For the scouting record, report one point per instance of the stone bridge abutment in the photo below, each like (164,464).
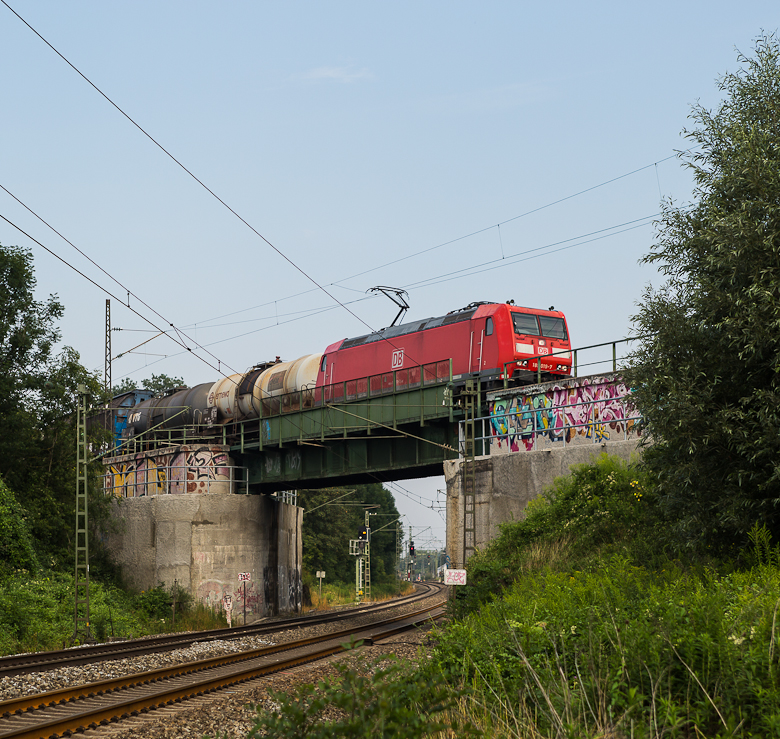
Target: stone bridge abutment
(533,435)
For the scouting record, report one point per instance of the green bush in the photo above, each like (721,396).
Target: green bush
(155,602)
(37,611)
(380,698)
(623,650)
(600,506)
(17,551)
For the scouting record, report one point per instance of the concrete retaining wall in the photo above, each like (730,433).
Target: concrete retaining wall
(204,541)
(505,483)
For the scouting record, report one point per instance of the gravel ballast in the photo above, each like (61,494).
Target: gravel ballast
(223,711)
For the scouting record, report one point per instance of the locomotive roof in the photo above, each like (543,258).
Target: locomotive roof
(410,328)
(456,316)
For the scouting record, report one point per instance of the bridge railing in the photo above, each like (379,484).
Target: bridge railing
(134,479)
(604,360)
(370,386)
(540,420)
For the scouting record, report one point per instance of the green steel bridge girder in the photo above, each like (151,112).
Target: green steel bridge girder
(393,436)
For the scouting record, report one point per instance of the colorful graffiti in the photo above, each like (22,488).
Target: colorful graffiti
(183,470)
(582,410)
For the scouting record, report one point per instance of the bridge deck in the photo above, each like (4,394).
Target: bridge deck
(396,425)
(362,437)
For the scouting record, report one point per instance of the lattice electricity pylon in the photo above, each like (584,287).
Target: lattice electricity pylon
(469,396)
(81,610)
(107,372)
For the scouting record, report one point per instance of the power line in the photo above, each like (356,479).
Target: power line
(100,287)
(337,283)
(108,274)
(499,263)
(508,220)
(183,167)
(257,233)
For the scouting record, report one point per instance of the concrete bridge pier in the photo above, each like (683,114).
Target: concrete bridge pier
(201,535)
(506,483)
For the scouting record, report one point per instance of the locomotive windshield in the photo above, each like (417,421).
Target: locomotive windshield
(553,327)
(530,324)
(525,323)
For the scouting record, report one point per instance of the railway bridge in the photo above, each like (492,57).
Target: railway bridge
(191,499)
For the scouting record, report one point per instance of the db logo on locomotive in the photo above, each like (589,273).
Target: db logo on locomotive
(398,359)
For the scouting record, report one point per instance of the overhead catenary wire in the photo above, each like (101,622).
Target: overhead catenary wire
(513,258)
(185,169)
(337,283)
(254,230)
(316,283)
(104,271)
(501,263)
(504,222)
(109,275)
(97,285)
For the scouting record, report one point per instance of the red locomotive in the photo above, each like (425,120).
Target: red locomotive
(483,340)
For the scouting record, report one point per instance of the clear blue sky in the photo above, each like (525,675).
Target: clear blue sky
(350,135)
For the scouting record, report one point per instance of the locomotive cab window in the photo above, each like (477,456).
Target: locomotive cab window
(488,326)
(324,363)
(525,323)
(553,327)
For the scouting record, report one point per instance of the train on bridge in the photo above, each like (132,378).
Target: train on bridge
(488,341)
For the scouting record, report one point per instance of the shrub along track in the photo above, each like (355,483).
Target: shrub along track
(106,703)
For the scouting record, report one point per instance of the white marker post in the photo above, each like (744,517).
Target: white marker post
(321,576)
(244,577)
(227,602)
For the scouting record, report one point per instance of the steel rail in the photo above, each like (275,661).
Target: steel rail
(21,722)
(40,661)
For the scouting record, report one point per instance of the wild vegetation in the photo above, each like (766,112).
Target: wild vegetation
(707,377)
(332,517)
(601,629)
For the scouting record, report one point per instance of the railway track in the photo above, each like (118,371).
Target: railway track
(40,661)
(109,702)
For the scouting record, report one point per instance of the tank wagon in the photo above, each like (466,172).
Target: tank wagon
(483,340)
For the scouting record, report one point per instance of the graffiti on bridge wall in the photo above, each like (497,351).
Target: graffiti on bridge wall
(261,598)
(200,470)
(576,411)
(212,592)
(287,585)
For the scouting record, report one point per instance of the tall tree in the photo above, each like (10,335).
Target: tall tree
(37,407)
(155,383)
(333,516)
(708,377)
